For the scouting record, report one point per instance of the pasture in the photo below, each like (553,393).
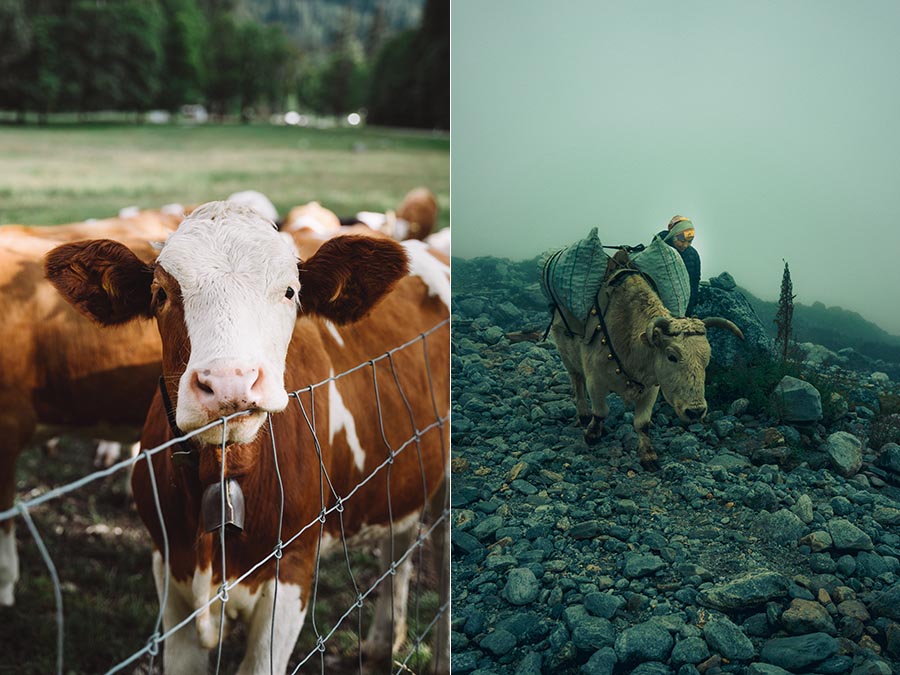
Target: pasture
(61,174)
(67,173)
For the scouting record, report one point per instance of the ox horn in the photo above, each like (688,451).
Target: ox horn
(660,322)
(719,322)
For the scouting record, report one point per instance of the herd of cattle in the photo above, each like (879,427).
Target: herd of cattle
(172,319)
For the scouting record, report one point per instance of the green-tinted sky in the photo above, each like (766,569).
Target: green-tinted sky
(774,126)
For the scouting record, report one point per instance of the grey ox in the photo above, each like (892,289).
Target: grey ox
(643,349)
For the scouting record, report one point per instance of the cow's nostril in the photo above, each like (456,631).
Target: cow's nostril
(255,376)
(202,382)
(695,413)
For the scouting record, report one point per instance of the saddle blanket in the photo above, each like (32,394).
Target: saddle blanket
(571,276)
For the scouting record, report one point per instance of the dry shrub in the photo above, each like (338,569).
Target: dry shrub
(885,429)
(889,404)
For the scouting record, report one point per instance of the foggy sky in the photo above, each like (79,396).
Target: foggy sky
(774,126)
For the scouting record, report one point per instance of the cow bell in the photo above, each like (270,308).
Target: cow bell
(211,506)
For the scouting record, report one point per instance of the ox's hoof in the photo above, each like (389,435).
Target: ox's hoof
(594,431)
(584,420)
(650,463)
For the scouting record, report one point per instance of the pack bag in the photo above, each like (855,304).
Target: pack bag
(571,276)
(663,264)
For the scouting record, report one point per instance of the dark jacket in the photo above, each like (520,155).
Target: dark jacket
(692,261)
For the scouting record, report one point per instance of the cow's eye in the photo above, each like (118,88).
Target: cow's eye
(161,296)
(673,358)
(289,293)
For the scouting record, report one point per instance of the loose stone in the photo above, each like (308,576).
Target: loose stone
(690,650)
(646,641)
(499,642)
(748,590)
(845,451)
(522,587)
(806,616)
(800,652)
(602,662)
(846,535)
(728,639)
(641,565)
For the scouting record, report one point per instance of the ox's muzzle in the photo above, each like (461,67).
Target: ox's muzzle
(695,413)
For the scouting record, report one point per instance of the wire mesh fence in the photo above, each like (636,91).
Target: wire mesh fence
(362,579)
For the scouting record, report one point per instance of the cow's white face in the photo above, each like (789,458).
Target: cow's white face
(225,294)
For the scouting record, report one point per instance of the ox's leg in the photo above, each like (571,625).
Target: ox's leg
(643,410)
(17,424)
(288,615)
(582,409)
(599,409)
(570,355)
(388,630)
(182,652)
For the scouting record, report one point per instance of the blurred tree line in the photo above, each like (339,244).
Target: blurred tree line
(137,55)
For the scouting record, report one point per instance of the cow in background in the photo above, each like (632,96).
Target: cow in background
(312,217)
(256,201)
(419,210)
(415,218)
(57,368)
(226,292)
(313,221)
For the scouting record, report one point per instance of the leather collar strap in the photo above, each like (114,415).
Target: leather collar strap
(183,449)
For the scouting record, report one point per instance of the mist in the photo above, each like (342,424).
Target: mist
(774,127)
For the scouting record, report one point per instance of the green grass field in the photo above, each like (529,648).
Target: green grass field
(66,173)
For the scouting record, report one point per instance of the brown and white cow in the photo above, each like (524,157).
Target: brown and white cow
(655,351)
(226,292)
(415,218)
(312,217)
(56,366)
(419,209)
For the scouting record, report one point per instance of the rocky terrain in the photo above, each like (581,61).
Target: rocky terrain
(768,542)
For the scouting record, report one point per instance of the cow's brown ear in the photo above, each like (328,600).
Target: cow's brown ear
(102,279)
(349,275)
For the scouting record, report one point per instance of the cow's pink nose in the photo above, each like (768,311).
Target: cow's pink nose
(228,386)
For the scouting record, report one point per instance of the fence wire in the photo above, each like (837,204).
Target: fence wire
(327,493)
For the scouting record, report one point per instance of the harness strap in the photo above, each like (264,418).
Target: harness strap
(620,268)
(606,340)
(628,249)
(550,325)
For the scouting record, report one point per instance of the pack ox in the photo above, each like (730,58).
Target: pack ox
(225,292)
(57,368)
(646,350)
